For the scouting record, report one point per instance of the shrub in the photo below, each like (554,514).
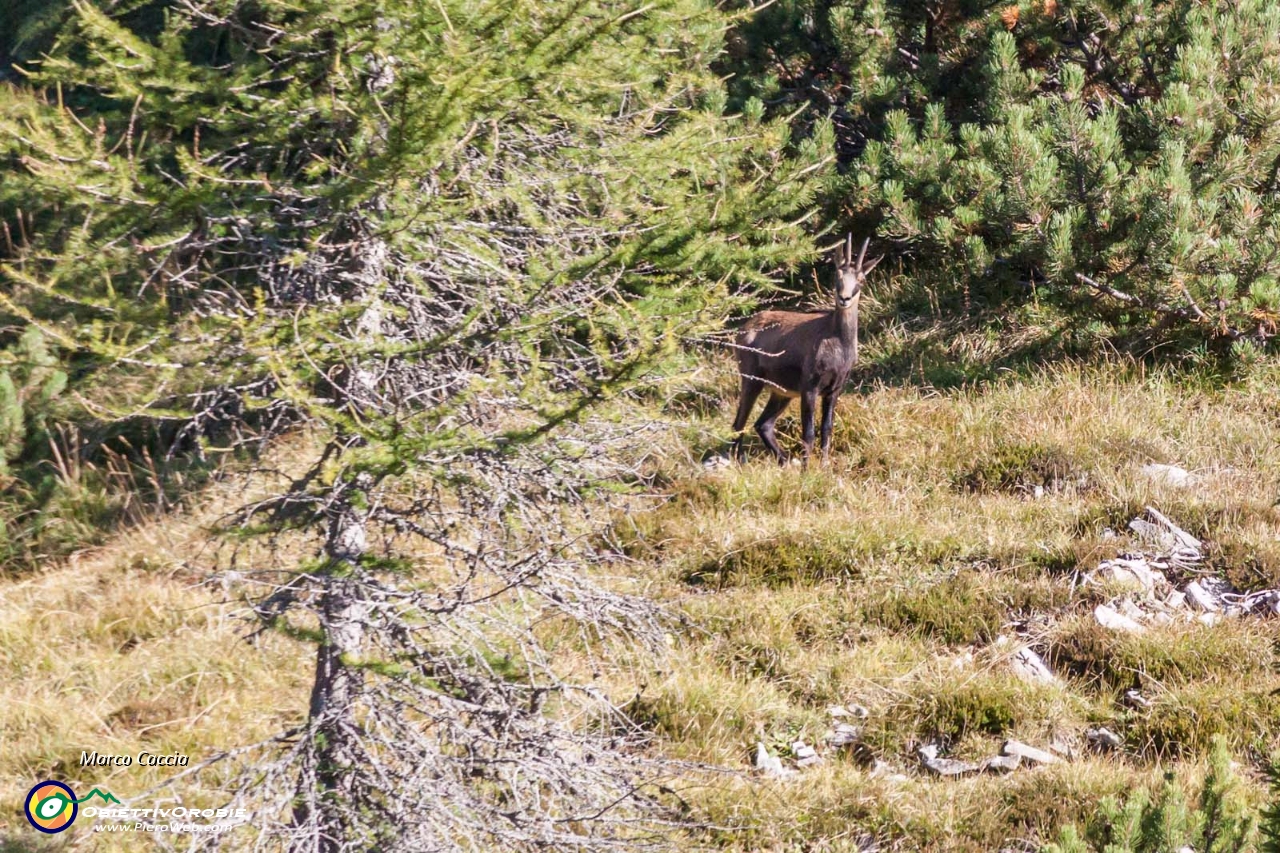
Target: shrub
(1218,821)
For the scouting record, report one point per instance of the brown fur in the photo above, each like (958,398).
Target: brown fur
(802,354)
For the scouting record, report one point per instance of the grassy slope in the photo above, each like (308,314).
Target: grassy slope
(887,580)
(900,577)
(120,650)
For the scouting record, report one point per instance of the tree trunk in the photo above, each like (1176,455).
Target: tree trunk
(337,686)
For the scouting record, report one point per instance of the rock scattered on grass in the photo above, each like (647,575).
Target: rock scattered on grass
(1199,596)
(1113,620)
(1135,699)
(1159,531)
(806,756)
(717,463)
(1031,667)
(771,765)
(1028,752)
(1000,763)
(1013,755)
(1103,739)
(1171,475)
(944,766)
(884,770)
(1061,746)
(1152,597)
(843,735)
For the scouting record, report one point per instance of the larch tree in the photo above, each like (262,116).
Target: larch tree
(442,237)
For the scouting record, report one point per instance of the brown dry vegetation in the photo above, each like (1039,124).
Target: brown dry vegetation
(125,649)
(951,526)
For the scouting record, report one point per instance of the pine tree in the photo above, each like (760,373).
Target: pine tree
(1118,159)
(1217,822)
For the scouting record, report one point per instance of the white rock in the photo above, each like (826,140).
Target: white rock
(1181,547)
(1184,539)
(1001,763)
(1198,595)
(1112,619)
(1133,573)
(944,766)
(843,735)
(806,756)
(1030,666)
(1176,600)
(1170,475)
(771,765)
(1136,699)
(838,711)
(717,463)
(1133,611)
(1103,738)
(1030,753)
(885,770)
(1061,746)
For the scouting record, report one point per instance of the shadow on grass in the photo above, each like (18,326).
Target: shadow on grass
(923,335)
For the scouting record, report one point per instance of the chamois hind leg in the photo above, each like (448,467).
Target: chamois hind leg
(764,424)
(808,402)
(747,397)
(828,418)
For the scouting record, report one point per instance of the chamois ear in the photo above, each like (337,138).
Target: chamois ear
(869,267)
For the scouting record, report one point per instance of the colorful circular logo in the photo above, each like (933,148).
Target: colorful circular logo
(51,807)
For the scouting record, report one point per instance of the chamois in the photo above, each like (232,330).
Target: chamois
(805,355)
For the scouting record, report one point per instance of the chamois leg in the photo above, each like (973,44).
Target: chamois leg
(747,397)
(764,424)
(828,418)
(808,402)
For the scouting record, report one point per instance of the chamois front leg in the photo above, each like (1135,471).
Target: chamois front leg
(751,389)
(808,402)
(766,421)
(828,418)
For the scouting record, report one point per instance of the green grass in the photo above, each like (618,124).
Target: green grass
(951,528)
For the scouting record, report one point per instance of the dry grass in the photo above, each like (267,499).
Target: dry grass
(951,528)
(121,650)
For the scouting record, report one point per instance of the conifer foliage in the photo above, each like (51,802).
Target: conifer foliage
(440,235)
(1218,822)
(1119,158)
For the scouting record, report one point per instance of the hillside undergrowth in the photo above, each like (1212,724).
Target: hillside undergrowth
(951,529)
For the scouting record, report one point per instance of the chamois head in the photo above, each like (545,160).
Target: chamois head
(850,273)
